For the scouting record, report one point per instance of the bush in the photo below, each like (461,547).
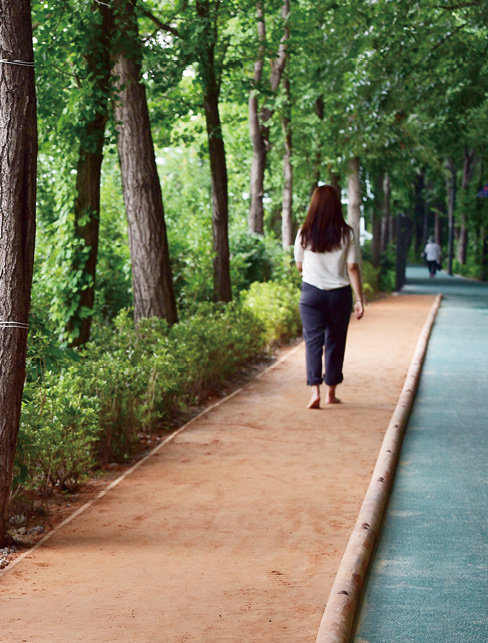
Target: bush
(80,413)
(382,278)
(387,274)
(370,276)
(59,426)
(470,269)
(276,306)
(258,258)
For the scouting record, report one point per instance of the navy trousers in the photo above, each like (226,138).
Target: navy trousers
(325,317)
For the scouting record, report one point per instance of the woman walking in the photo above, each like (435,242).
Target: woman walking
(327,255)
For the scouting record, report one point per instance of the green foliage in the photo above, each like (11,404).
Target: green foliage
(59,426)
(44,352)
(89,409)
(371,279)
(381,278)
(253,259)
(276,307)
(471,269)
(387,276)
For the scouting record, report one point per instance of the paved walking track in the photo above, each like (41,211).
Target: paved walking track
(429,578)
(234,530)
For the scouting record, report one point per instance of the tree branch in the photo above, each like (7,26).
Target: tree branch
(463,5)
(163,26)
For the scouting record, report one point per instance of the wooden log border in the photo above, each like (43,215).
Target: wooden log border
(340,611)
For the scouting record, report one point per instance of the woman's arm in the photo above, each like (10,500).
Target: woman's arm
(357,288)
(299,265)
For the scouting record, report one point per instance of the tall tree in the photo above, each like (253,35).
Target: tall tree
(386,224)
(451,205)
(468,167)
(286,211)
(376,218)
(260,117)
(197,35)
(18,154)
(354,195)
(210,78)
(151,269)
(92,136)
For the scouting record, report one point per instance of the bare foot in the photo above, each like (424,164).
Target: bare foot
(331,396)
(314,402)
(315,399)
(333,400)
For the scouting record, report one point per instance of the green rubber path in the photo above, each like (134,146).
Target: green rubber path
(428,580)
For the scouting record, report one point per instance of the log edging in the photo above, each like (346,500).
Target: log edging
(340,611)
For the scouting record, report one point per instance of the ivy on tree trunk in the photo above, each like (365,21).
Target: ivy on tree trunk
(87,202)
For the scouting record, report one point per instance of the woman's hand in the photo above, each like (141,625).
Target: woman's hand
(357,288)
(359,309)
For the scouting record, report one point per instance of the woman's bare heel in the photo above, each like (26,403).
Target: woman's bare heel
(331,396)
(315,399)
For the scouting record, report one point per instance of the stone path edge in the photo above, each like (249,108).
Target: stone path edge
(136,465)
(340,610)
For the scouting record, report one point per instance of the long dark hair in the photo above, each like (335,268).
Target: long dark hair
(324,228)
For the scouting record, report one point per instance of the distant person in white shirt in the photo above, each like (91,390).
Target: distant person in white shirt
(432,254)
(327,255)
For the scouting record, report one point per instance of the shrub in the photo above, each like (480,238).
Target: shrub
(276,307)
(258,258)
(382,278)
(370,276)
(387,274)
(470,269)
(59,426)
(128,379)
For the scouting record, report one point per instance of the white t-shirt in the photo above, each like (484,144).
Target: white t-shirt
(326,270)
(432,251)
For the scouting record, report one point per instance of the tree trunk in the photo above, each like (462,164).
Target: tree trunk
(258,161)
(317,161)
(463,227)
(18,155)
(258,165)
(286,215)
(437,227)
(378,198)
(451,201)
(421,214)
(218,165)
(259,121)
(386,235)
(152,285)
(353,196)
(483,241)
(87,203)
(335,181)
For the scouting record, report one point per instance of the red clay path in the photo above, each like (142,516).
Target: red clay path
(234,530)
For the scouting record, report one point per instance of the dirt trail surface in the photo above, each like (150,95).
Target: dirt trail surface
(234,530)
